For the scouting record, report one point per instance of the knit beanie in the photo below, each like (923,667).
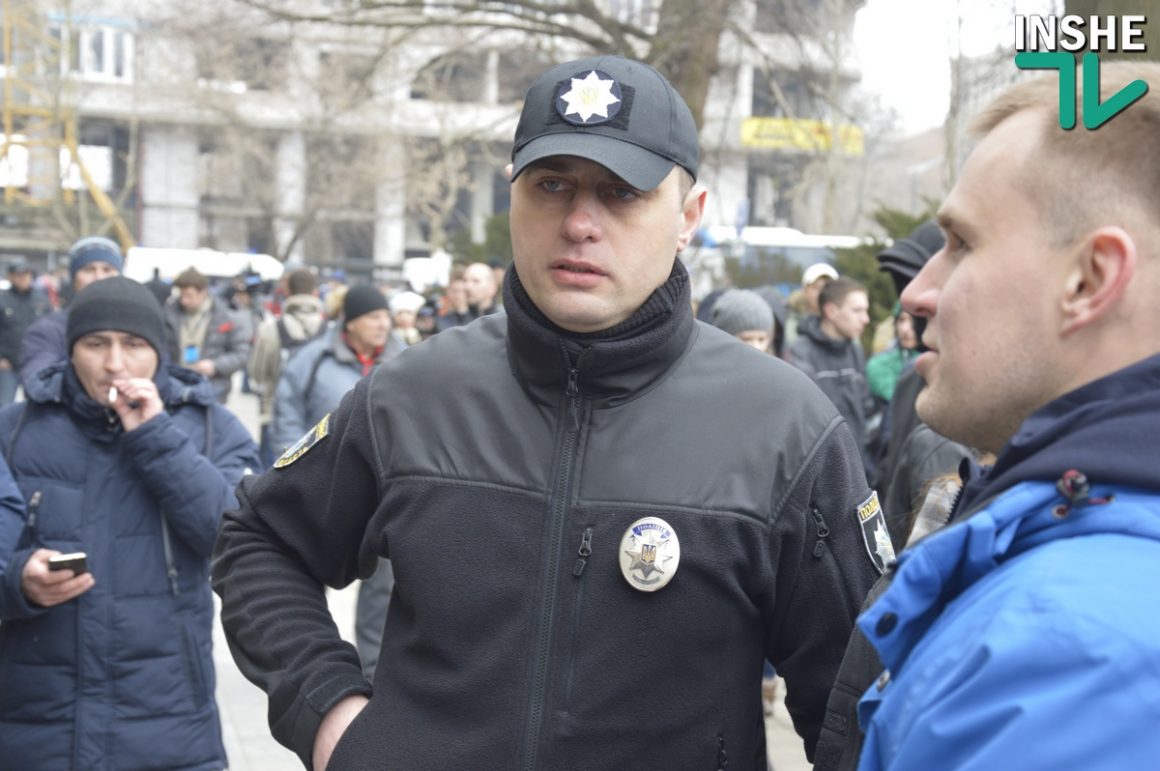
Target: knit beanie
(738,310)
(94,249)
(361,300)
(119,304)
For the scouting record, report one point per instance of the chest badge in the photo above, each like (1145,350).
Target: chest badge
(649,554)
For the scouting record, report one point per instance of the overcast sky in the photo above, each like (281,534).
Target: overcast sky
(904,48)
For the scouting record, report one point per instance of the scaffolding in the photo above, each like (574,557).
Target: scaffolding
(39,121)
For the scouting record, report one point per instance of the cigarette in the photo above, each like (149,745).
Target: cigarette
(112,394)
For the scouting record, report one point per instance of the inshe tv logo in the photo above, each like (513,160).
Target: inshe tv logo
(1060,38)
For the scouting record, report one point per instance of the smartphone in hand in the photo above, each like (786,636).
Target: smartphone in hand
(76,561)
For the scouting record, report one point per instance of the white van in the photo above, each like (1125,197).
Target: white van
(753,244)
(141,261)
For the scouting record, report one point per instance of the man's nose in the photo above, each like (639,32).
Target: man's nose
(114,358)
(582,223)
(920,297)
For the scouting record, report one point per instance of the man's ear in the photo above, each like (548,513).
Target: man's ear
(692,208)
(1101,271)
(507,171)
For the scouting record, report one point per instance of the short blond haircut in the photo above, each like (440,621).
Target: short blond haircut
(1082,179)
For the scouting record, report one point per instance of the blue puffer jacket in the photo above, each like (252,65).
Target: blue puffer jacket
(1027,635)
(122,676)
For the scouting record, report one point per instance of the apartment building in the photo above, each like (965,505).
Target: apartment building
(356,146)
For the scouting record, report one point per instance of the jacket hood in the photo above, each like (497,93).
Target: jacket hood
(1107,430)
(811,327)
(302,305)
(175,385)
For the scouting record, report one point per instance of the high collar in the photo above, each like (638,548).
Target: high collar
(1106,429)
(811,327)
(612,366)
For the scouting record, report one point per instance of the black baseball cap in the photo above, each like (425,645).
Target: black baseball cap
(617,112)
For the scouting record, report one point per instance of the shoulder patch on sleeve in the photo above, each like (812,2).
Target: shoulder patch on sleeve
(874,532)
(303,445)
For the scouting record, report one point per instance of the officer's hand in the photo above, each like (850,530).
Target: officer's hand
(333,726)
(5,364)
(137,401)
(204,367)
(51,587)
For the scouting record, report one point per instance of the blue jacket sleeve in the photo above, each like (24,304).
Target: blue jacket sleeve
(193,490)
(13,555)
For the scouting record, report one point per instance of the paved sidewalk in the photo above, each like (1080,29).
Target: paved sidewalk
(243,706)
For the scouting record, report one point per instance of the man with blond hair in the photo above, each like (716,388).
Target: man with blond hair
(1024,635)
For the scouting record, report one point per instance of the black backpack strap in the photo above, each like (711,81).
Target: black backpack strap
(314,375)
(284,335)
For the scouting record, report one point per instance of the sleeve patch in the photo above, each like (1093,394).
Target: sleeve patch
(303,445)
(874,533)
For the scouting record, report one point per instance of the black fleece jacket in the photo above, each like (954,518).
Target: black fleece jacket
(499,465)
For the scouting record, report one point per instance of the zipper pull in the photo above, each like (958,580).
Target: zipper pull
(33,507)
(584,551)
(573,392)
(823,531)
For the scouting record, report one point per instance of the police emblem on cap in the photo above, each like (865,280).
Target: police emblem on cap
(589,99)
(303,445)
(874,533)
(649,554)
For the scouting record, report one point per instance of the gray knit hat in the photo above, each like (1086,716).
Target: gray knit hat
(738,310)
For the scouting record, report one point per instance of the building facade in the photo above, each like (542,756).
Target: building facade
(356,146)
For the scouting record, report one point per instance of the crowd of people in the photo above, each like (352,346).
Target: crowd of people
(587,511)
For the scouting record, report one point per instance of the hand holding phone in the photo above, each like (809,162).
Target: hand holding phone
(77,562)
(49,579)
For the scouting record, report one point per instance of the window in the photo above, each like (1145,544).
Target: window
(452,78)
(14,163)
(96,52)
(246,65)
(346,79)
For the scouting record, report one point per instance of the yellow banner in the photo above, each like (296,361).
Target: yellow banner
(800,134)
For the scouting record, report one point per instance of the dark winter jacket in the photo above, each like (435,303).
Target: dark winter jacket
(227,342)
(502,467)
(122,676)
(839,369)
(17,312)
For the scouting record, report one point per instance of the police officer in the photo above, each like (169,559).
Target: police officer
(603,515)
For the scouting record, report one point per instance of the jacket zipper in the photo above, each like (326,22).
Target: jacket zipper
(559,514)
(820,548)
(582,555)
(823,531)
